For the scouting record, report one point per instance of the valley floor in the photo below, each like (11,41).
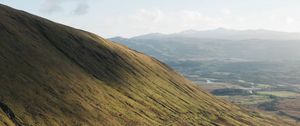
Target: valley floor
(283,103)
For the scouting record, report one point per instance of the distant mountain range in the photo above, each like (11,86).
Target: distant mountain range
(218,44)
(227,34)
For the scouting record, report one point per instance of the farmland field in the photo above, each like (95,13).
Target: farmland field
(279,93)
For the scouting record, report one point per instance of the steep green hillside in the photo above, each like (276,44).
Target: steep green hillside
(51,74)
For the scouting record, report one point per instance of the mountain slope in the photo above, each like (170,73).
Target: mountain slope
(51,74)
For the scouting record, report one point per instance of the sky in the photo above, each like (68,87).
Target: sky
(128,18)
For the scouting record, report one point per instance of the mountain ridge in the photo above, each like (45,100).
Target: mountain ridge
(224,34)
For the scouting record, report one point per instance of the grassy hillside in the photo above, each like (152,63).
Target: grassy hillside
(51,74)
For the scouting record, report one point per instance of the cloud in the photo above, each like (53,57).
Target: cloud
(289,20)
(191,15)
(51,6)
(154,20)
(150,20)
(226,11)
(148,15)
(58,6)
(81,8)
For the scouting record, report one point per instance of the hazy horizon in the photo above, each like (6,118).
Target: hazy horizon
(205,30)
(110,18)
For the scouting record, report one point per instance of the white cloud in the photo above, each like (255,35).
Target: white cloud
(51,6)
(148,15)
(145,20)
(226,11)
(81,8)
(192,15)
(55,6)
(156,20)
(289,20)
(191,18)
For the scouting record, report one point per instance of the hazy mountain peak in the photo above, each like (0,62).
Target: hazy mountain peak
(227,34)
(149,36)
(221,29)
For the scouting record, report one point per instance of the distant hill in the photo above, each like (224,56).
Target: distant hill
(227,34)
(51,74)
(218,44)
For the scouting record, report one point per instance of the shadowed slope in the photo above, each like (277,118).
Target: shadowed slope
(52,74)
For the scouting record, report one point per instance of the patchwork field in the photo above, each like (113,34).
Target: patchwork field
(248,100)
(279,93)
